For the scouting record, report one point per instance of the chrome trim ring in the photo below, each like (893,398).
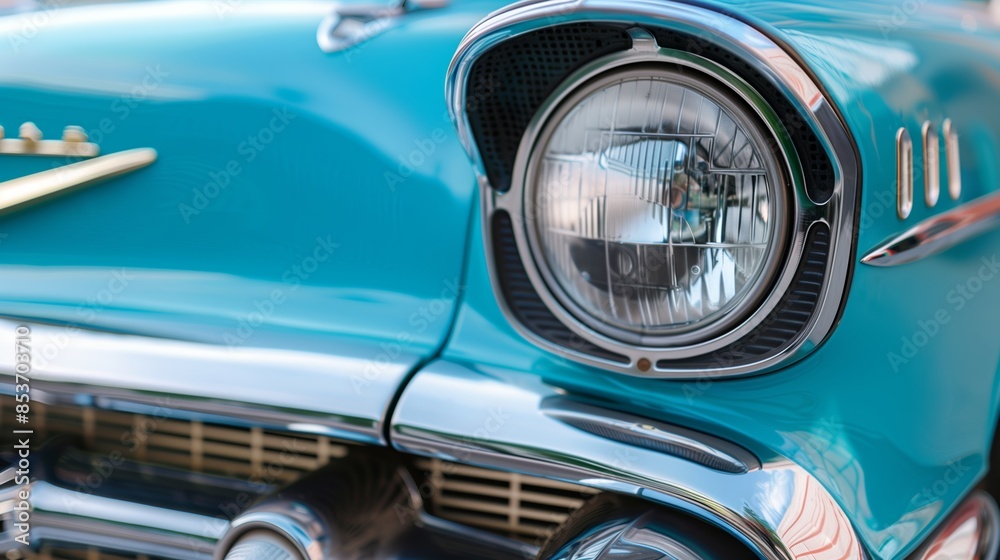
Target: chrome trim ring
(635,346)
(303,528)
(768,59)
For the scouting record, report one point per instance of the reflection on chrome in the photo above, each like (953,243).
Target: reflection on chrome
(779,509)
(203,381)
(632,331)
(971,533)
(812,525)
(655,224)
(637,540)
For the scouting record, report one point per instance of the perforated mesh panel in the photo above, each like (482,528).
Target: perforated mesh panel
(509,83)
(525,303)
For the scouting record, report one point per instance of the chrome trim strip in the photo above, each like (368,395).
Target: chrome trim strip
(304,528)
(768,58)
(650,536)
(710,451)
(67,516)
(952,159)
(938,233)
(22,190)
(499,422)
(270,388)
(904,174)
(30,143)
(932,164)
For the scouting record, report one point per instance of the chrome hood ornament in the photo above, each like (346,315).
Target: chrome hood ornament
(30,143)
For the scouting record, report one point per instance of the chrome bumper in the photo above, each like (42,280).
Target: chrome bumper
(513,421)
(497,419)
(93,501)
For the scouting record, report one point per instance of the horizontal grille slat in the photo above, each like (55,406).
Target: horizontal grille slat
(246,453)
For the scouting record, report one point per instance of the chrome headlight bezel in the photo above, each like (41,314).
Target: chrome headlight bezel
(737,97)
(807,294)
(517,201)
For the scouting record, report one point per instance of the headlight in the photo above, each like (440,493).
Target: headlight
(657,206)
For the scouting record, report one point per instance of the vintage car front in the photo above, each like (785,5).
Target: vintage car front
(566,279)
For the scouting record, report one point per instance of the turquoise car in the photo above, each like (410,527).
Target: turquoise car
(442,280)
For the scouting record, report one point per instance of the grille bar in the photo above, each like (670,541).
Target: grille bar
(526,508)
(245,453)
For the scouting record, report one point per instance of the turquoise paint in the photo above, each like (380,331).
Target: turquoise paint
(271,154)
(898,443)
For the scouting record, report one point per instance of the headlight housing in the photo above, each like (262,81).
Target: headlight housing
(656,205)
(723,252)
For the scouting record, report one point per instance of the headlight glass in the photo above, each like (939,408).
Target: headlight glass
(657,204)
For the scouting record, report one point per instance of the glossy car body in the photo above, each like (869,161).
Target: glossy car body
(307,254)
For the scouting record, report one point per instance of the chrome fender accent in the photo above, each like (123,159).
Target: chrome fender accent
(496,418)
(938,233)
(296,391)
(18,192)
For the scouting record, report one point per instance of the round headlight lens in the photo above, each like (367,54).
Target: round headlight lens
(657,202)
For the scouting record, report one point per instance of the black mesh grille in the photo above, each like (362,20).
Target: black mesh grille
(816,165)
(509,83)
(523,300)
(787,320)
